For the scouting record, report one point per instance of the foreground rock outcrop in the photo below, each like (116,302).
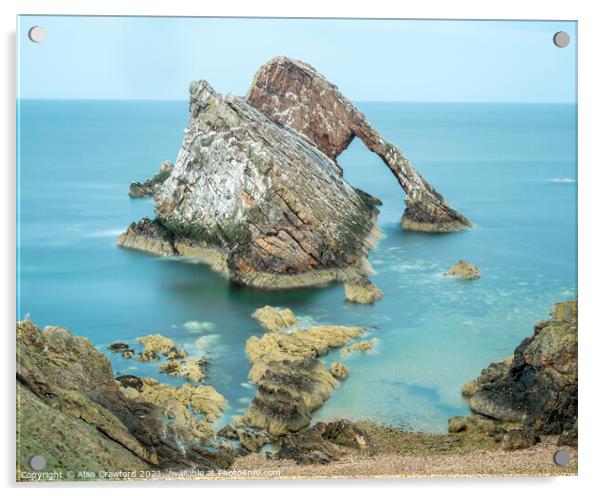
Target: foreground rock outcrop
(291,381)
(67,386)
(537,388)
(294,94)
(323,443)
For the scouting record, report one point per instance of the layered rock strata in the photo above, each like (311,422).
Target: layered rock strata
(537,388)
(324,442)
(291,381)
(65,384)
(256,201)
(294,94)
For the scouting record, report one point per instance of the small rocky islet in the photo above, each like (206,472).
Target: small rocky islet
(257,194)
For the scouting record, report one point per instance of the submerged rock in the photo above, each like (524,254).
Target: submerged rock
(151,186)
(291,381)
(294,94)
(463,270)
(537,388)
(273,319)
(64,382)
(122,348)
(364,345)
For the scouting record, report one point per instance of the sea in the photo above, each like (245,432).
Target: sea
(510,168)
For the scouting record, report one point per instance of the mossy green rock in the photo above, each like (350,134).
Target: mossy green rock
(538,387)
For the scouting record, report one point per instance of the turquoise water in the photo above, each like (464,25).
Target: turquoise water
(496,163)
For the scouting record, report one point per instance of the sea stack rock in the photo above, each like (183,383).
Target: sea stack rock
(257,201)
(294,94)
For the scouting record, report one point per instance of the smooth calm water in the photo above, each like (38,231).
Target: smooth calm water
(495,162)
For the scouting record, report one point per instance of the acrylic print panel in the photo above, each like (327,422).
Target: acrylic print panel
(271,248)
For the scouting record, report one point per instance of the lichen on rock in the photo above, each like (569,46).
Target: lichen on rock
(192,369)
(339,370)
(363,345)
(65,382)
(537,387)
(274,319)
(463,270)
(362,291)
(155,345)
(291,381)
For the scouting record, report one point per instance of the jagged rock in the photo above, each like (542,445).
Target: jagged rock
(538,388)
(271,205)
(362,291)
(201,399)
(294,94)
(471,423)
(123,349)
(323,442)
(364,345)
(339,370)
(151,186)
(291,381)
(155,345)
(250,439)
(192,369)
(494,372)
(130,381)
(519,439)
(273,319)
(463,270)
(66,374)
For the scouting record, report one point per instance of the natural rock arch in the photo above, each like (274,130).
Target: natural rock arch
(294,94)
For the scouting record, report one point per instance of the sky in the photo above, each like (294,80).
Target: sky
(156,58)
